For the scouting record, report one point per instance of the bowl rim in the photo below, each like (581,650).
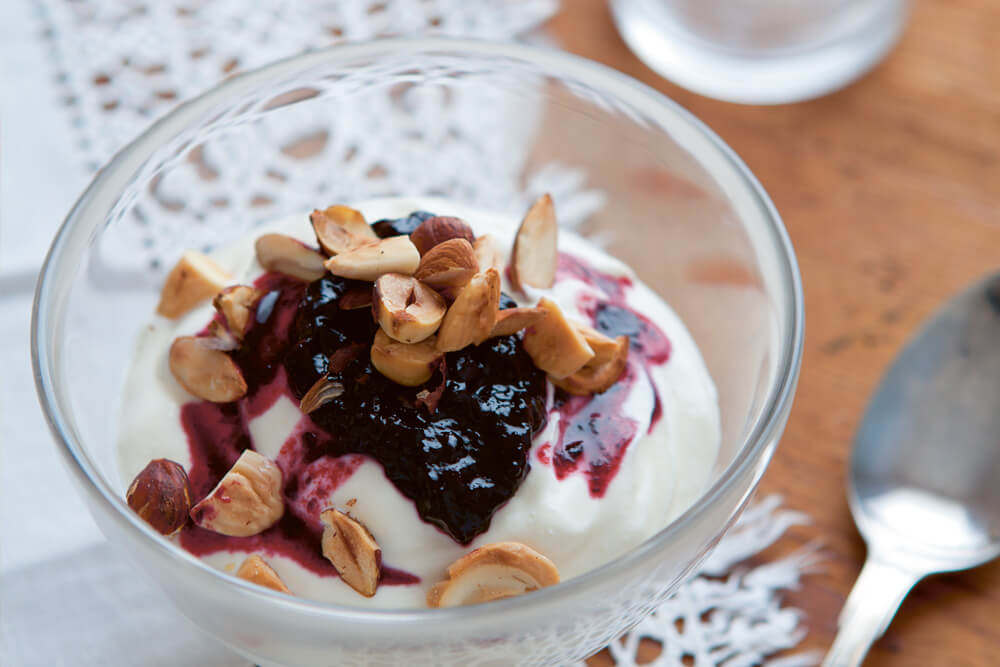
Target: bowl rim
(132,156)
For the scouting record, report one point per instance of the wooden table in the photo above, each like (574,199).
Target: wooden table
(891,193)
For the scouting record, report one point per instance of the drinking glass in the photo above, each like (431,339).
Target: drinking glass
(761,51)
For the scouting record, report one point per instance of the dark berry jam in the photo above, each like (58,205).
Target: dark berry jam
(400,226)
(457,446)
(458,463)
(458,457)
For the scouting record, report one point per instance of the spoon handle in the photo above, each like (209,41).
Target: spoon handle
(873,602)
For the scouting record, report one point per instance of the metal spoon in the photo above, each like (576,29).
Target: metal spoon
(923,485)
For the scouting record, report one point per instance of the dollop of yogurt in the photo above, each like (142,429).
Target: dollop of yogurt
(581,504)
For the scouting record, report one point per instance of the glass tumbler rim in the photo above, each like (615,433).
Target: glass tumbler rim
(85,220)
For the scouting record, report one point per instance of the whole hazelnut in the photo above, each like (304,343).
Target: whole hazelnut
(438,230)
(161,495)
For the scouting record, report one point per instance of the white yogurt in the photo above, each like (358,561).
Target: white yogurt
(662,473)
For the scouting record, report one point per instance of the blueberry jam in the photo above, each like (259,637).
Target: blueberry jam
(457,446)
(400,226)
(459,463)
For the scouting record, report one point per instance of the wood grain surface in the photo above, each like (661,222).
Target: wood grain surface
(890,190)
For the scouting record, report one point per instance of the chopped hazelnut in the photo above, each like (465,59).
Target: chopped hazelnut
(493,572)
(448,264)
(471,317)
(601,372)
(234,304)
(535,253)
(511,320)
(200,365)
(247,500)
(322,392)
(556,345)
(193,279)
(407,310)
(341,229)
(256,570)
(488,253)
(395,254)
(352,550)
(284,254)
(408,364)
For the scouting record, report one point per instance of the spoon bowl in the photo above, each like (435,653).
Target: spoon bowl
(923,474)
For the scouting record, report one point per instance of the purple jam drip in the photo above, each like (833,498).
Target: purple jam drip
(217,435)
(645,339)
(594,434)
(219,432)
(657,410)
(262,354)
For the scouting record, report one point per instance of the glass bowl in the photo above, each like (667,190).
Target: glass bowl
(486,124)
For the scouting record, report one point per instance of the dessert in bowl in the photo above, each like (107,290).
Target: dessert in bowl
(454,389)
(699,405)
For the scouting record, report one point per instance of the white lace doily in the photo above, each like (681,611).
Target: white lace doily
(120,64)
(123,63)
(728,615)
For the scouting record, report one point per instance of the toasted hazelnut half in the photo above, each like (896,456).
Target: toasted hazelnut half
(470,319)
(408,364)
(322,392)
(511,320)
(451,263)
(234,304)
(395,254)
(555,344)
(193,279)
(340,229)
(601,372)
(222,338)
(352,550)
(493,572)
(281,253)
(246,501)
(488,253)
(533,259)
(161,495)
(201,365)
(439,229)
(407,310)
(256,570)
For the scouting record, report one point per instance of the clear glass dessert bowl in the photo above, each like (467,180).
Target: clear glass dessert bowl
(490,125)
